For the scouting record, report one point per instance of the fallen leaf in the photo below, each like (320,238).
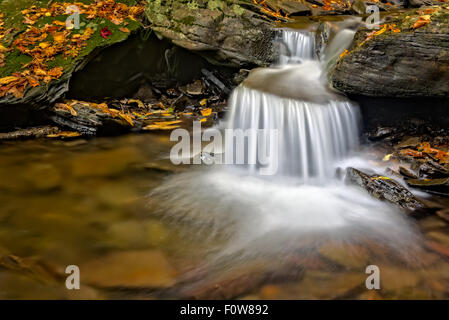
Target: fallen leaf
(64,134)
(7,80)
(206,112)
(126,30)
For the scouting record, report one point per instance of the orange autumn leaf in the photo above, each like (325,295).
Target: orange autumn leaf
(412,153)
(206,112)
(344,53)
(126,30)
(422,21)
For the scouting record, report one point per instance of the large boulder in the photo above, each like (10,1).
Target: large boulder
(226,31)
(407,57)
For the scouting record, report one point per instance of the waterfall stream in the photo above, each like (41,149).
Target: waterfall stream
(315,127)
(302,203)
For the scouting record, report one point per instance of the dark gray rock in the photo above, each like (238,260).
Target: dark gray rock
(410,63)
(385,188)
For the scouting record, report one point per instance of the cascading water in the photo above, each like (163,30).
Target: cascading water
(295,46)
(260,217)
(316,128)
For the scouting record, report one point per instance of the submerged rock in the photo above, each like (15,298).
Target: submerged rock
(129,269)
(408,59)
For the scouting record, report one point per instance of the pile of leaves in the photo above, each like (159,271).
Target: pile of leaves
(55,41)
(274,13)
(330,5)
(424,150)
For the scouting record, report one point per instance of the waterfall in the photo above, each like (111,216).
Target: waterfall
(302,205)
(295,46)
(316,127)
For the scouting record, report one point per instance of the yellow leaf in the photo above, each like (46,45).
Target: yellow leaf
(139,103)
(126,30)
(206,112)
(381,30)
(44,45)
(156,127)
(3,49)
(380,178)
(7,80)
(127,118)
(167,123)
(203,120)
(387,157)
(203,102)
(344,53)
(64,134)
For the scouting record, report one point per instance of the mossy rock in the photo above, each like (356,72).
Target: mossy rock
(227,32)
(14,60)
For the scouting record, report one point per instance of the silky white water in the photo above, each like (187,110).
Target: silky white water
(295,47)
(302,204)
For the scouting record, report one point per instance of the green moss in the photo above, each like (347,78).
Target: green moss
(193,5)
(215,4)
(238,9)
(188,20)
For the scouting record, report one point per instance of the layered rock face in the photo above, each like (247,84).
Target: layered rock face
(227,31)
(406,60)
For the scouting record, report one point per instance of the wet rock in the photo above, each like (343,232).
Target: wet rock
(104,163)
(195,89)
(42,176)
(407,173)
(393,278)
(328,285)
(411,142)
(137,234)
(385,188)
(36,132)
(431,169)
(348,256)
(359,7)
(129,269)
(370,295)
(440,237)
(443,214)
(438,248)
(398,64)
(228,288)
(88,120)
(209,27)
(432,222)
(380,133)
(417,3)
(84,293)
(289,7)
(430,185)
